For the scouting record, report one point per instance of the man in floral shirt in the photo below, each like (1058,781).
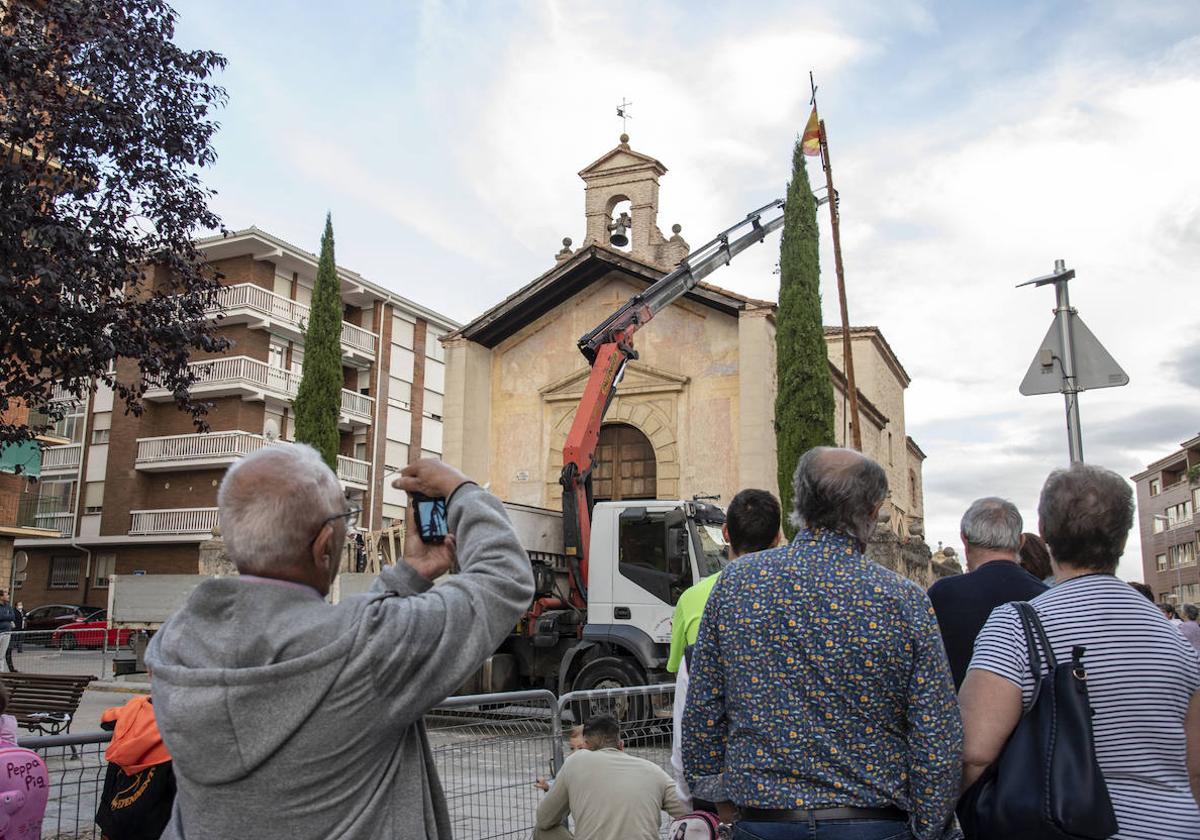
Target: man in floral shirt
(820,689)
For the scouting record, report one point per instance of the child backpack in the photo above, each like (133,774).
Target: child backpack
(24,791)
(698,825)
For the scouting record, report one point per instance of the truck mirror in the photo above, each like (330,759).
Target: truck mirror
(677,548)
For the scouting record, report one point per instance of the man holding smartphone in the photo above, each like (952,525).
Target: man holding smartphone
(288,716)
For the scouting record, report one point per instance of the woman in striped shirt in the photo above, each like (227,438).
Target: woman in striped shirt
(1143,677)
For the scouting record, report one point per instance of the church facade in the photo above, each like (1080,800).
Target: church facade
(694,414)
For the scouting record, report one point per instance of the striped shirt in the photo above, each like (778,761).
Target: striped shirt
(1141,675)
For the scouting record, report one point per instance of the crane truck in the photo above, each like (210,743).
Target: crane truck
(607,574)
(605,594)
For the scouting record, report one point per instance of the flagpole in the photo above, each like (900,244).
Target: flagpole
(834,218)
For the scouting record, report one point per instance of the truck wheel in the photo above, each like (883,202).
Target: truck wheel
(606,673)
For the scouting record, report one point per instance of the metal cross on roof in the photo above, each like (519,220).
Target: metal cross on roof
(623,113)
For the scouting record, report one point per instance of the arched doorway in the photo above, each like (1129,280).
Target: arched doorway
(625,465)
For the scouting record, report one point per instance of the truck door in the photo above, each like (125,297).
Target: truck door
(654,567)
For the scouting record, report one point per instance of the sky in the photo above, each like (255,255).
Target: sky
(973,144)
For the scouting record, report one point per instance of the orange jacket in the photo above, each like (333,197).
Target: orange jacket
(136,743)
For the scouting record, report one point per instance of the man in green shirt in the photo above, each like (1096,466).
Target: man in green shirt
(751,524)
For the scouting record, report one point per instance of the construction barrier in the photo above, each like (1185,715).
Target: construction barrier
(78,652)
(489,750)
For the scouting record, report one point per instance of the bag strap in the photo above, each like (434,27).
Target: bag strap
(1034,622)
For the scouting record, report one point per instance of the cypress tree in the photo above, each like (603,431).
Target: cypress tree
(319,400)
(804,406)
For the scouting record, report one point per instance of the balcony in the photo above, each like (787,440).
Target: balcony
(59,521)
(195,452)
(246,303)
(61,394)
(353,473)
(174,521)
(254,380)
(61,459)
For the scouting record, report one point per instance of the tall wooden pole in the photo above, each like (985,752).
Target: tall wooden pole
(847,351)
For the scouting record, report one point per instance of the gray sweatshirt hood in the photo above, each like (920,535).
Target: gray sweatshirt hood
(240,691)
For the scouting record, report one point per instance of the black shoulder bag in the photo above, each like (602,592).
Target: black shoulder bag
(1046,784)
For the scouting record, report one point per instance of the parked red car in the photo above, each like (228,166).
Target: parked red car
(89,634)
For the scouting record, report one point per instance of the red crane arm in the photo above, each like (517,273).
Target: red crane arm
(608,348)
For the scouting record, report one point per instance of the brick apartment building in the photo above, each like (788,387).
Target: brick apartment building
(1168,496)
(125,495)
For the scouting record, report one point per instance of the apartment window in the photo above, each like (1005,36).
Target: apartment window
(1160,562)
(1189,593)
(70,427)
(99,436)
(106,564)
(56,497)
(402,332)
(64,572)
(1182,555)
(1159,525)
(276,355)
(1181,512)
(93,497)
(1196,499)
(297,360)
(434,403)
(1155,487)
(400,393)
(434,348)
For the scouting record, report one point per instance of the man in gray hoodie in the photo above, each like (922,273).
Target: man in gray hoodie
(288,717)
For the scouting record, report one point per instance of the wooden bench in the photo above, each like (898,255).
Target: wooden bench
(44,703)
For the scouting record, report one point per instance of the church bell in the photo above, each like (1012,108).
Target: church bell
(618,237)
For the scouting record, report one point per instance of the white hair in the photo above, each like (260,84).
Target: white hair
(992,522)
(272,503)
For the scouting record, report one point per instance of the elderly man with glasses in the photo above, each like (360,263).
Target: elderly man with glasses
(290,717)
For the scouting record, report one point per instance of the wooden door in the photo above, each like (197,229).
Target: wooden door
(625,465)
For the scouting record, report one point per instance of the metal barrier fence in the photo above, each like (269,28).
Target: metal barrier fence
(76,766)
(489,750)
(82,652)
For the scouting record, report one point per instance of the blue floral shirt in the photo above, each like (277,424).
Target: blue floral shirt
(819,680)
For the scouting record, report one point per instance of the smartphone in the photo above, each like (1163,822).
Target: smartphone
(430,516)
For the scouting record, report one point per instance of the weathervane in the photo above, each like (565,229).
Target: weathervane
(623,113)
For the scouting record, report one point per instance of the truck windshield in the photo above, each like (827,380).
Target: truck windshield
(713,549)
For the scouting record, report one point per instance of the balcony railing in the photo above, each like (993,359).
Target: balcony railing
(62,458)
(61,394)
(214,446)
(173,521)
(356,404)
(247,296)
(245,373)
(354,471)
(64,523)
(19,509)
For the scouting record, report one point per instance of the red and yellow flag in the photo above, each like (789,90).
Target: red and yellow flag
(810,141)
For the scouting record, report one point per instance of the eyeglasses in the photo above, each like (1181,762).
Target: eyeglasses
(351,517)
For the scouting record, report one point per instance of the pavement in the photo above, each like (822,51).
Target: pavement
(101,694)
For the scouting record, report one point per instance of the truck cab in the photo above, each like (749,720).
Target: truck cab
(644,555)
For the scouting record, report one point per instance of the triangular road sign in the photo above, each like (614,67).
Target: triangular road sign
(1094,367)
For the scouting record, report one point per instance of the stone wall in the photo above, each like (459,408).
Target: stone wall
(910,558)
